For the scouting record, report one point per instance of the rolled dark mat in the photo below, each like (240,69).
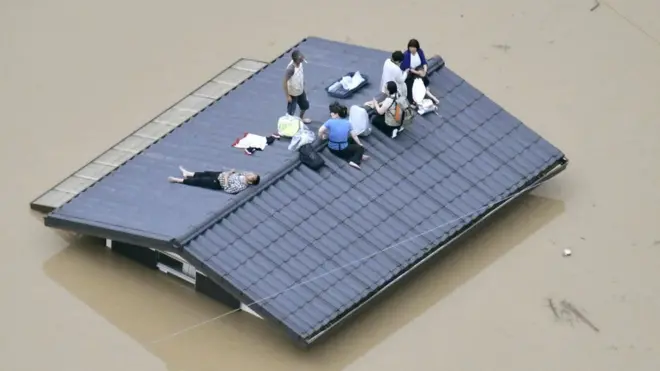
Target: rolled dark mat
(435,63)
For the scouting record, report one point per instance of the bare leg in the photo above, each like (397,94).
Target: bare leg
(186,173)
(175,180)
(302,117)
(428,94)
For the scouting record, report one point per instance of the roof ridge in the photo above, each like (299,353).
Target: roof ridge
(236,203)
(436,63)
(178,242)
(243,199)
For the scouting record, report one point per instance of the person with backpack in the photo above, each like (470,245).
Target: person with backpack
(339,133)
(390,112)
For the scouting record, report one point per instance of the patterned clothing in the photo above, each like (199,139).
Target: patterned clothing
(236,182)
(295,79)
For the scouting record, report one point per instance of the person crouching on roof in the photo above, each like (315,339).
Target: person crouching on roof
(229,181)
(339,131)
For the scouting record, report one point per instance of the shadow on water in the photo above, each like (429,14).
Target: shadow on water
(148,305)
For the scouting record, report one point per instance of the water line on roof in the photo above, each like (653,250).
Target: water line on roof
(347,265)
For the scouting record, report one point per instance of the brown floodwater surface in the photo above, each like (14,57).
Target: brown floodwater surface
(77,76)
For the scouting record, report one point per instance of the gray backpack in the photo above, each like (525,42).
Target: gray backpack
(403,111)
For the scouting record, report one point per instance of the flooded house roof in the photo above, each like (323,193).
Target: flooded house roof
(306,249)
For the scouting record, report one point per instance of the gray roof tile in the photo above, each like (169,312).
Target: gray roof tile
(312,245)
(433,179)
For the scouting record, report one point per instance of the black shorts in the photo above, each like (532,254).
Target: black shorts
(300,100)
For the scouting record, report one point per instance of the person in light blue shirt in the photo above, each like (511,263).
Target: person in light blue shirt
(339,132)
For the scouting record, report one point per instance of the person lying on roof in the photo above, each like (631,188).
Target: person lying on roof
(229,181)
(339,132)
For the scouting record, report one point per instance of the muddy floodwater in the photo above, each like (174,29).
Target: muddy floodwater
(77,76)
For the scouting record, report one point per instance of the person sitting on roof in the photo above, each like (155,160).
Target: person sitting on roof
(229,181)
(339,132)
(414,62)
(386,119)
(392,72)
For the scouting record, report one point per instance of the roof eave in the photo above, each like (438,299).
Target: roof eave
(241,297)
(100,230)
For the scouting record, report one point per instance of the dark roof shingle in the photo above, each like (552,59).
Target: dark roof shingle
(306,247)
(312,245)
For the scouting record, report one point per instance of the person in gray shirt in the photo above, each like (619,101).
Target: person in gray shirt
(294,86)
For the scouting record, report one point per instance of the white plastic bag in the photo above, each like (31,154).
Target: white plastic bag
(426,106)
(356,80)
(302,137)
(352,82)
(288,126)
(334,87)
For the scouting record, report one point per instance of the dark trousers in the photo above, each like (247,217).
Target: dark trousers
(352,153)
(409,84)
(300,101)
(378,121)
(204,179)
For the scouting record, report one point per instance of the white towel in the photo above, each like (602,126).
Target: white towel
(351,82)
(251,141)
(418,91)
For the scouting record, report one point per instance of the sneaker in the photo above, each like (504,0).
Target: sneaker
(401,129)
(395,132)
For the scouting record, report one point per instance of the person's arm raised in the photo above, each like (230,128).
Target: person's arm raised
(382,107)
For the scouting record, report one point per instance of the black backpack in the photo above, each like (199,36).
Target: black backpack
(310,157)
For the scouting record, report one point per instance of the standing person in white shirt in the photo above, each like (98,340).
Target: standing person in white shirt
(294,86)
(392,72)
